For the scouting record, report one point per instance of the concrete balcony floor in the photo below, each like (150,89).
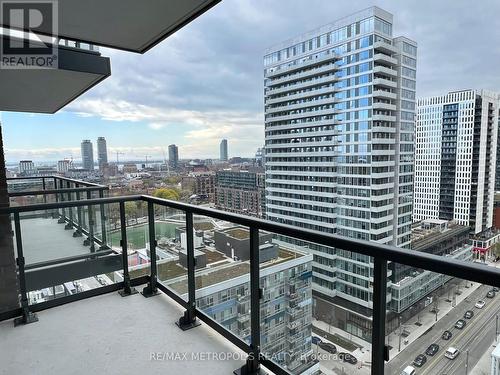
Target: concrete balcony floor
(110,334)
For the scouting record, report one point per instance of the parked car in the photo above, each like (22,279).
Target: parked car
(432,349)
(349,358)
(495,289)
(327,347)
(490,294)
(469,314)
(316,340)
(451,353)
(460,324)
(420,360)
(409,370)
(480,304)
(446,335)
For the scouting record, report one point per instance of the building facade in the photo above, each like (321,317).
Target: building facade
(87,155)
(173,156)
(240,192)
(339,122)
(223,150)
(63,166)
(286,304)
(26,168)
(102,153)
(455,158)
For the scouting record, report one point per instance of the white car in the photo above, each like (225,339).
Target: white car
(451,353)
(480,304)
(409,370)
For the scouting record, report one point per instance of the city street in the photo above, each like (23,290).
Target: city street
(476,337)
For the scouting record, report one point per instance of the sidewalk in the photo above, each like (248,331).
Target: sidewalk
(363,353)
(427,319)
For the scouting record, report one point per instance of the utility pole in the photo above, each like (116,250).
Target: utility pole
(400,333)
(466,361)
(496,329)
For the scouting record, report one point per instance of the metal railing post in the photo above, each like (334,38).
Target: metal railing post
(252,365)
(44,187)
(70,224)
(27,316)
(62,218)
(151,289)
(380,352)
(90,212)
(78,232)
(127,289)
(188,320)
(55,212)
(104,244)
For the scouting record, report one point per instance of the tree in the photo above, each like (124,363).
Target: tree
(173,180)
(130,210)
(164,193)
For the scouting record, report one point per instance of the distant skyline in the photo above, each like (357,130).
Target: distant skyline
(205,83)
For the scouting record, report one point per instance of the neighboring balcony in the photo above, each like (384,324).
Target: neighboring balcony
(384,94)
(382,58)
(385,71)
(384,106)
(384,47)
(384,83)
(26,89)
(311,61)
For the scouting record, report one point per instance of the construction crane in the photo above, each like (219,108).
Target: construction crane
(146,165)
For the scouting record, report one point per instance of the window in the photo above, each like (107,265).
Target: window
(383,26)
(408,72)
(409,49)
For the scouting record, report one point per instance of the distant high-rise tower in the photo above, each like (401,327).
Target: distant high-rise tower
(87,155)
(102,152)
(26,167)
(173,155)
(455,158)
(223,150)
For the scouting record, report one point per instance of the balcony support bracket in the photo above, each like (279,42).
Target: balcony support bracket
(148,291)
(187,321)
(251,367)
(27,318)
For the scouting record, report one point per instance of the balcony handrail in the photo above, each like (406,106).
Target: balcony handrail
(56,191)
(381,254)
(389,253)
(73,258)
(62,178)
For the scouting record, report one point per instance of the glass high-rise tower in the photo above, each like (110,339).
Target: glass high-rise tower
(102,152)
(87,155)
(339,122)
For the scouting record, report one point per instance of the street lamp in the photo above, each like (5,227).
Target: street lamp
(466,361)
(400,333)
(496,328)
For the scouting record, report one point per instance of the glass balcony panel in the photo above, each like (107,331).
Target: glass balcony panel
(438,324)
(223,274)
(58,254)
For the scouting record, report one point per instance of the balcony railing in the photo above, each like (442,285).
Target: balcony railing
(57,271)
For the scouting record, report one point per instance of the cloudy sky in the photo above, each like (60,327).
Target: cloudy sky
(206,82)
